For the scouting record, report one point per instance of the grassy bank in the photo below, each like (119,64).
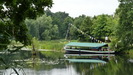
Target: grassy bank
(53,55)
(55,45)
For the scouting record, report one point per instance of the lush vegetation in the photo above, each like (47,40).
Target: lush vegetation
(12,16)
(25,22)
(49,27)
(56,45)
(54,26)
(124,31)
(53,45)
(21,18)
(59,25)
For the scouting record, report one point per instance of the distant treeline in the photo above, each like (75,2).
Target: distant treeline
(59,25)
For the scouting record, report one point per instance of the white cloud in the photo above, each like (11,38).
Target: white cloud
(87,7)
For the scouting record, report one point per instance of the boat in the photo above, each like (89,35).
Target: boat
(90,55)
(94,48)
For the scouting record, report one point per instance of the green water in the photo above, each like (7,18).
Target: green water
(57,63)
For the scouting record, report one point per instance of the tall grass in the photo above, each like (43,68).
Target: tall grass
(53,44)
(53,55)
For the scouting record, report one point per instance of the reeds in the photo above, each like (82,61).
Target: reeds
(56,45)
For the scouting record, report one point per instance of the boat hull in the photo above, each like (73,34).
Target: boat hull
(88,51)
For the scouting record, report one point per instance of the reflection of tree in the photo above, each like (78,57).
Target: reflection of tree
(10,59)
(51,60)
(46,61)
(116,66)
(125,68)
(108,69)
(86,68)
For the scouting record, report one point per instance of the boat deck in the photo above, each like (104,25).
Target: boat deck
(95,48)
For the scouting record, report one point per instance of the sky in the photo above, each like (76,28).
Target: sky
(76,8)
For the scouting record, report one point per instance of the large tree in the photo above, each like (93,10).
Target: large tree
(14,12)
(86,28)
(125,28)
(59,18)
(42,28)
(75,28)
(101,26)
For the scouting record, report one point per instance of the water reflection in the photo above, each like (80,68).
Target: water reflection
(89,58)
(58,63)
(86,63)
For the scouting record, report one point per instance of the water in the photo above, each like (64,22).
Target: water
(57,63)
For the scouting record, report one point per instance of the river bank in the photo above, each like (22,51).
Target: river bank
(57,45)
(54,45)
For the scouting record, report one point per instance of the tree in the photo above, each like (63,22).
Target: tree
(86,27)
(76,27)
(66,27)
(54,32)
(33,27)
(46,35)
(59,19)
(41,27)
(101,26)
(16,11)
(44,22)
(125,28)
(4,36)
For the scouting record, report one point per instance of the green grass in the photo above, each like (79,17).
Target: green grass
(53,55)
(55,45)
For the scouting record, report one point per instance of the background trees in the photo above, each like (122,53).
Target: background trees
(42,28)
(61,26)
(59,19)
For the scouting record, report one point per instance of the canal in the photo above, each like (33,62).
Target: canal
(58,63)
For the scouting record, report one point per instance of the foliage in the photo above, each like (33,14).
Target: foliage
(101,28)
(4,36)
(50,26)
(66,27)
(35,44)
(125,28)
(52,55)
(79,28)
(56,45)
(13,14)
(86,27)
(82,26)
(42,28)
(60,19)
(52,45)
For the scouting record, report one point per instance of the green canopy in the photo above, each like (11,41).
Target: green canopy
(79,44)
